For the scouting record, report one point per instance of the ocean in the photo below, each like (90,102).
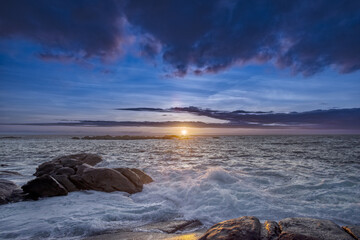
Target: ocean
(206,178)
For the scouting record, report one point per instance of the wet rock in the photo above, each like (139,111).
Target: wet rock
(68,161)
(44,186)
(76,172)
(145,179)
(105,179)
(172,226)
(354,231)
(66,182)
(316,228)
(270,230)
(65,171)
(91,159)
(245,228)
(6,190)
(132,176)
(9,173)
(295,236)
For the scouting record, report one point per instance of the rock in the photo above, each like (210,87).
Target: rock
(45,168)
(66,182)
(295,236)
(44,186)
(270,230)
(65,171)
(145,179)
(6,190)
(354,231)
(132,176)
(69,161)
(104,179)
(6,172)
(76,172)
(245,228)
(316,228)
(171,226)
(91,159)
(130,235)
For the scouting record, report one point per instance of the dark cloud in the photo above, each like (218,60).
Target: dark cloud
(209,36)
(66,29)
(332,118)
(201,36)
(319,119)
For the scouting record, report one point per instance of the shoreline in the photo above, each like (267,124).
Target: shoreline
(245,228)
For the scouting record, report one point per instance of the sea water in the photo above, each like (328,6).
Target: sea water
(205,178)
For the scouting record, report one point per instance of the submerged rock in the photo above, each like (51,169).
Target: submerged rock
(7,189)
(76,172)
(315,228)
(9,173)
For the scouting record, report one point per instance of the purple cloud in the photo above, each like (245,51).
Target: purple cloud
(203,36)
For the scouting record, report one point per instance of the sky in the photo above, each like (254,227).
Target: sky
(83,60)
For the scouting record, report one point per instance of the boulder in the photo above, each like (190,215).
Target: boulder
(6,190)
(68,161)
(44,186)
(91,159)
(245,228)
(104,179)
(66,183)
(315,228)
(354,231)
(145,179)
(132,176)
(76,172)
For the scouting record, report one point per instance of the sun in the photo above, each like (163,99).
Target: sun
(184,132)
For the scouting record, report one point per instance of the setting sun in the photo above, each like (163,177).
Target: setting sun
(184,132)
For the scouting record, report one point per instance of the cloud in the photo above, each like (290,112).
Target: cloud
(66,29)
(332,118)
(317,119)
(204,36)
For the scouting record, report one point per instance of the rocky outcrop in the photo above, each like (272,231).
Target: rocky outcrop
(316,228)
(238,228)
(249,228)
(77,172)
(9,192)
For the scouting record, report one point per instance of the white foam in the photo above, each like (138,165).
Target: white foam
(259,179)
